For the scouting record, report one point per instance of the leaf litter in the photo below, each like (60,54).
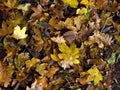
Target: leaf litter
(59,45)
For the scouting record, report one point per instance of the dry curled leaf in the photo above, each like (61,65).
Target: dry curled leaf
(101,39)
(58,39)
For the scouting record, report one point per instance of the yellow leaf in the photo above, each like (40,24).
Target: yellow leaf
(11,3)
(41,69)
(94,75)
(72,3)
(69,55)
(54,57)
(19,33)
(81,11)
(24,7)
(31,63)
(76,61)
(87,3)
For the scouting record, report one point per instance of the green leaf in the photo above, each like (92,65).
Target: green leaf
(111,61)
(87,14)
(17,63)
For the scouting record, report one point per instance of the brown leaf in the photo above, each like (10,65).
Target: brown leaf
(70,36)
(6,74)
(43,81)
(6,29)
(37,12)
(52,71)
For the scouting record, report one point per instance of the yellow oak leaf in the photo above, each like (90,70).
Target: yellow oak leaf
(19,33)
(72,3)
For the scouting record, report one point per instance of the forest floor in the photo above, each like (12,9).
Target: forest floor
(59,44)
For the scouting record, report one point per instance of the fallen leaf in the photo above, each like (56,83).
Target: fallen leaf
(6,74)
(87,3)
(58,39)
(37,12)
(41,69)
(24,7)
(72,3)
(19,33)
(52,71)
(94,75)
(112,59)
(31,63)
(68,55)
(11,3)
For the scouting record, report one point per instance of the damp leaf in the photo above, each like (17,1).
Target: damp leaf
(94,75)
(72,3)
(19,33)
